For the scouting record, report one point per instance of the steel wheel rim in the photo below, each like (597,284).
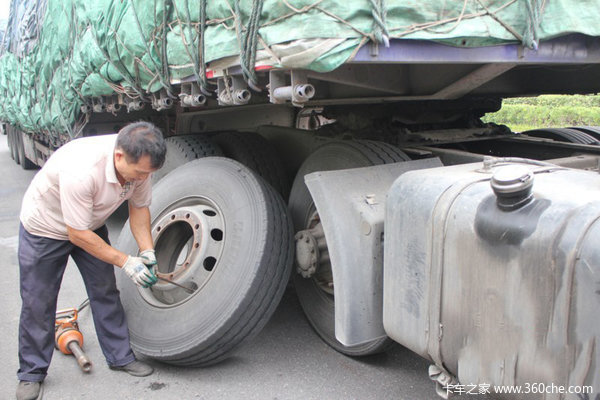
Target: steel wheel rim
(189,236)
(323,277)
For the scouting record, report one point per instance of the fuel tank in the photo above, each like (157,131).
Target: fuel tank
(493,274)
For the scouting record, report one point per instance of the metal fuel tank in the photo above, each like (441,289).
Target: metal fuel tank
(493,273)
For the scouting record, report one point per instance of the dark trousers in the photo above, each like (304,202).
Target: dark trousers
(42,263)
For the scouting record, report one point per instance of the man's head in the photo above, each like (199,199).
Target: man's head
(140,150)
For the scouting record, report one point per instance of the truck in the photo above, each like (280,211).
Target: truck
(339,147)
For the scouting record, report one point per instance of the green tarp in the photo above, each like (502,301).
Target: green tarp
(91,48)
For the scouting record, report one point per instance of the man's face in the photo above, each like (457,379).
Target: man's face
(130,172)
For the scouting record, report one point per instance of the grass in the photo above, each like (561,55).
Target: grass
(548,111)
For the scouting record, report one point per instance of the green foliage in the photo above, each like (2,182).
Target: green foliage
(547,111)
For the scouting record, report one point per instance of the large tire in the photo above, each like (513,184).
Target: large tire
(11,143)
(593,131)
(14,144)
(183,149)
(255,152)
(563,135)
(237,246)
(23,160)
(317,301)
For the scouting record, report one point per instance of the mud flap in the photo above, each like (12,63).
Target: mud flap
(351,206)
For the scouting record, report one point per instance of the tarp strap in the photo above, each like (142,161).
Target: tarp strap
(534,18)
(166,83)
(195,51)
(380,30)
(157,71)
(248,39)
(117,64)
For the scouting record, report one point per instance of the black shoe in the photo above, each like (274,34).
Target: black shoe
(29,390)
(135,368)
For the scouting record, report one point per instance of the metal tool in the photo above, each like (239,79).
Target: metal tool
(187,289)
(68,338)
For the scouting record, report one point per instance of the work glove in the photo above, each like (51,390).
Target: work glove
(149,258)
(136,269)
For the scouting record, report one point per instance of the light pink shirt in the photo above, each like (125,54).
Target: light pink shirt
(78,187)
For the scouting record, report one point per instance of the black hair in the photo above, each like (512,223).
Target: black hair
(142,138)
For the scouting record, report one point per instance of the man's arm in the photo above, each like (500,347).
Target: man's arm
(139,222)
(96,246)
(93,244)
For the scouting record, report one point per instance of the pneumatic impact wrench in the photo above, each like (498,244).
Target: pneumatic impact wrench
(68,338)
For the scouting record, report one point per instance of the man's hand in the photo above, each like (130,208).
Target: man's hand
(149,258)
(136,269)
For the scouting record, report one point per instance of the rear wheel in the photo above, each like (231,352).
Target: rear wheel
(11,142)
(593,131)
(14,143)
(23,160)
(221,231)
(15,140)
(256,153)
(563,135)
(183,149)
(314,283)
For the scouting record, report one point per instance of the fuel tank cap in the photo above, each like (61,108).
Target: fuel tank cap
(513,186)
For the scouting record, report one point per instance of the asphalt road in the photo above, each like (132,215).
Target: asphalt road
(286,361)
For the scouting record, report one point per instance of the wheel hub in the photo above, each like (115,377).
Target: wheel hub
(188,241)
(311,250)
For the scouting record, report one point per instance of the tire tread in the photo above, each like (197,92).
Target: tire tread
(263,304)
(258,154)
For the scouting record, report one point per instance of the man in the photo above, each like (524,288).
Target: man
(62,215)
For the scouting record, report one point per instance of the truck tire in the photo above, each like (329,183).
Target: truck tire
(255,152)
(593,131)
(563,135)
(14,141)
(183,149)
(11,143)
(16,146)
(23,160)
(220,230)
(318,304)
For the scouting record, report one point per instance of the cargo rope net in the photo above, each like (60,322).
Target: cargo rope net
(138,48)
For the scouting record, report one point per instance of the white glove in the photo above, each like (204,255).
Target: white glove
(149,258)
(135,268)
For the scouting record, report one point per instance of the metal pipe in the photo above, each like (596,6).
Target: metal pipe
(135,105)
(113,107)
(237,97)
(283,93)
(99,107)
(82,359)
(165,103)
(242,96)
(304,92)
(490,161)
(298,93)
(187,289)
(193,100)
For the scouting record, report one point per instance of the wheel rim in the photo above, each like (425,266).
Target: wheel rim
(322,276)
(189,236)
